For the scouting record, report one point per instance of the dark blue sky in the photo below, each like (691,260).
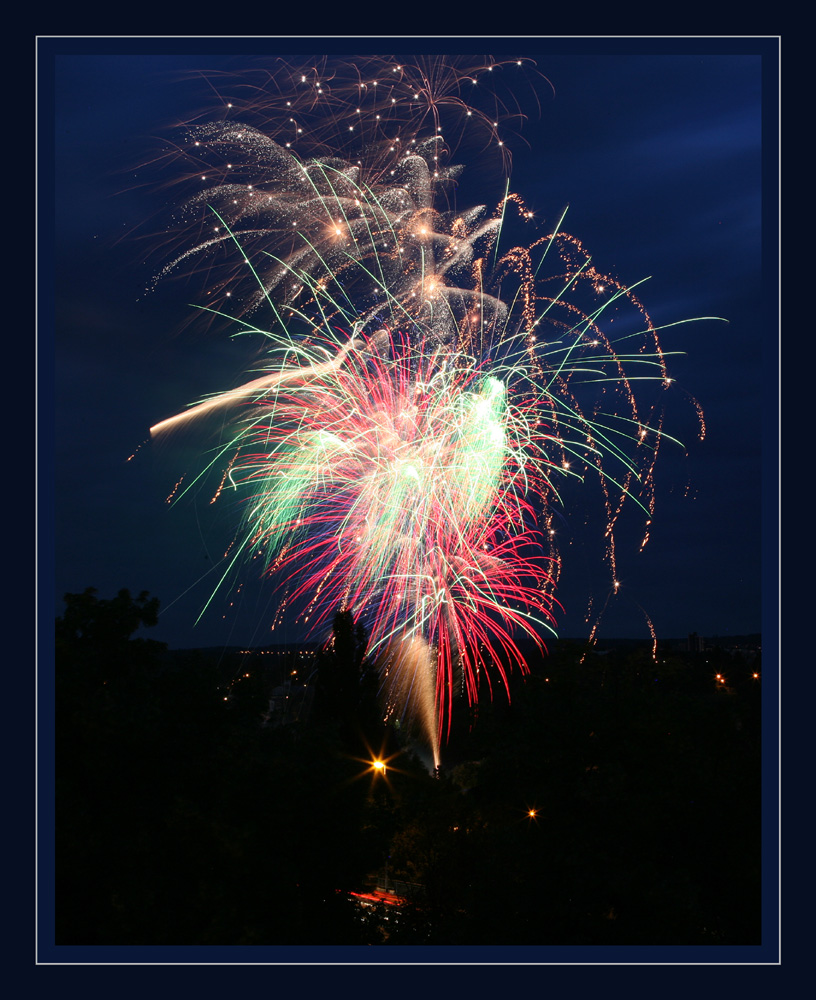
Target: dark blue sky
(658,154)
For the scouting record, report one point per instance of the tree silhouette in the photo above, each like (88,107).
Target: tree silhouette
(89,619)
(94,639)
(340,671)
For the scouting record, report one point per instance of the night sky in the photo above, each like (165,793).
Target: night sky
(658,153)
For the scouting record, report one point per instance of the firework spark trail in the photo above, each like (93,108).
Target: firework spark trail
(422,392)
(388,483)
(258,388)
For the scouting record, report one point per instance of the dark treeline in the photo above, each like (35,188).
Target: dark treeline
(615,800)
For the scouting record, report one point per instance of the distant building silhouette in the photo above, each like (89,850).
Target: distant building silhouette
(695,643)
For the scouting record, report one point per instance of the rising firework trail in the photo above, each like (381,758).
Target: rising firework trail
(425,386)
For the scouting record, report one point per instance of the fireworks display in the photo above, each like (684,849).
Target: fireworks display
(430,374)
